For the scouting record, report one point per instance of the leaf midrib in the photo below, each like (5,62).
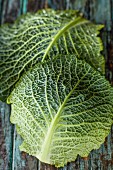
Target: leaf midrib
(77,21)
(43,156)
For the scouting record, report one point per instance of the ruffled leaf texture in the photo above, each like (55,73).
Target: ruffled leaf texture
(62,108)
(34,38)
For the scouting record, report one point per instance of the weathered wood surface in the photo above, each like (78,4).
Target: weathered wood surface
(99,11)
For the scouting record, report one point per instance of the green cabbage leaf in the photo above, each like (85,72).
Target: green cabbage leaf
(36,37)
(52,74)
(62,108)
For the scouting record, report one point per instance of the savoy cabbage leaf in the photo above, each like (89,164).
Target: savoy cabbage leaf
(36,37)
(52,72)
(62,108)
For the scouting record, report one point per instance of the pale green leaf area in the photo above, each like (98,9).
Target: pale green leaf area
(62,108)
(36,37)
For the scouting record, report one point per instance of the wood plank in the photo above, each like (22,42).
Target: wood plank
(6,135)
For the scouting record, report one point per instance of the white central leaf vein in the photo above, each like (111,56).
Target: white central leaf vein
(46,144)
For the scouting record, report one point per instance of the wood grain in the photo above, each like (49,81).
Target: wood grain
(99,11)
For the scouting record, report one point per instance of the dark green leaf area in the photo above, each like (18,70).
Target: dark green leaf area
(21,46)
(62,108)
(36,37)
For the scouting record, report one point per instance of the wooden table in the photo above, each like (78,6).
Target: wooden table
(99,11)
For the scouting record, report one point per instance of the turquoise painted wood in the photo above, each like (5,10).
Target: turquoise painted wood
(99,11)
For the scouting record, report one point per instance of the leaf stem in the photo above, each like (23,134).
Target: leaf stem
(77,21)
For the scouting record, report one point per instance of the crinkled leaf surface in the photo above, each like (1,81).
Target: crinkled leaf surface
(36,37)
(62,108)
